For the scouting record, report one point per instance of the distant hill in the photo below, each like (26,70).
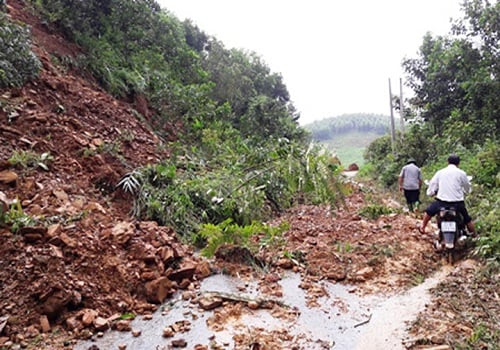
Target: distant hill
(349,134)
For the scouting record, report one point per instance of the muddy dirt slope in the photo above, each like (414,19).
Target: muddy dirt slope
(92,259)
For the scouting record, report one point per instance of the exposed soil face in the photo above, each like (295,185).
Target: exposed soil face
(94,256)
(95,263)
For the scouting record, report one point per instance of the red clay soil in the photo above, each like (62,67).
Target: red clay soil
(93,256)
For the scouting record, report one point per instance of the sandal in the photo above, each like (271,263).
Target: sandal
(421,231)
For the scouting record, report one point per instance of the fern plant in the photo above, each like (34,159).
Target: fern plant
(252,236)
(129,183)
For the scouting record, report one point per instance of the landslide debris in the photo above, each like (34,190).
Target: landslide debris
(81,261)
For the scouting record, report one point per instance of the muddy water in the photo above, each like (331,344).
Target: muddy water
(386,329)
(343,321)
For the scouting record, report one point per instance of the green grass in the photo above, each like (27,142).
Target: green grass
(350,147)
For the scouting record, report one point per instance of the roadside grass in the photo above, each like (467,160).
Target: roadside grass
(350,147)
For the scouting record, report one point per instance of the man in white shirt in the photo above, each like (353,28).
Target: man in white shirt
(410,181)
(449,185)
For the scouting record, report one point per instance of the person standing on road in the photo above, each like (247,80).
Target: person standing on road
(449,185)
(410,182)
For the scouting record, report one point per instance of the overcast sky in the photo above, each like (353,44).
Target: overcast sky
(335,56)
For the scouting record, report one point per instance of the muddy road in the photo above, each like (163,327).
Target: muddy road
(338,280)
(344,319)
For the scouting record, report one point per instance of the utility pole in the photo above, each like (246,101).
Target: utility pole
(401,106)
(393,132)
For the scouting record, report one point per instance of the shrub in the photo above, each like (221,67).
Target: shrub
(484,206)
(18,63)
(227,177)
(29,159)
(484,164)
(373,211)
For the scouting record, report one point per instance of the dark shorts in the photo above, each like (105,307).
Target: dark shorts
(412,196)
(435,206)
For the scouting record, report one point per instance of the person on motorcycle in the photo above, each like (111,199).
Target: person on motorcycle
(410,181)
(449,185)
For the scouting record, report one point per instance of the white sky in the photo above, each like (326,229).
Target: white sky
(335,56)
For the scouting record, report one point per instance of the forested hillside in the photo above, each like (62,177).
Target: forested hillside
(348,135)
(129,138)
(327,129)
(142,52)
(221,112)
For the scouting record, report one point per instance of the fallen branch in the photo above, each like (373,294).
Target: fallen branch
(414,340)
(364,322)
(261,302)
(423,340)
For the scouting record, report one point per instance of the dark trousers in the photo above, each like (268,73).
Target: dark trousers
(436,205)
(412,197)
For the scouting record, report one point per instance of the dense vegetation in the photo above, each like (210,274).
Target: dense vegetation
(455,109)
(238,153)
(226,178)
(135,48)
(17,62)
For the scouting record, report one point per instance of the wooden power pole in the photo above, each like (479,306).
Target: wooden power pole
(401,106)
(393,132)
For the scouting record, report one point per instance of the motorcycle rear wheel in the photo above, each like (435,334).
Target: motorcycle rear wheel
(450,258)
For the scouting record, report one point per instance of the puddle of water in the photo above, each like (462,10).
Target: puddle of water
(337,324)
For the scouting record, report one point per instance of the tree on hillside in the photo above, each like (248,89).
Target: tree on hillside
(132,47)
(456,78)
(259,99)
(456,103)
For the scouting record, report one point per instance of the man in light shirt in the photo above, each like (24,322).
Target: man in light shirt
(410,181)
(449,185)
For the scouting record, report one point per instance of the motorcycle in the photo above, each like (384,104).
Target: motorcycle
(452,233)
